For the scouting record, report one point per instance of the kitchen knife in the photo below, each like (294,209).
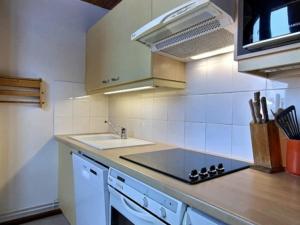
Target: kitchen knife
(265,109)
(256,105)
(252,111)
(257,112)
(257,97)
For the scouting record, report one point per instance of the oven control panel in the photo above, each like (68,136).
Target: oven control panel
(163,206)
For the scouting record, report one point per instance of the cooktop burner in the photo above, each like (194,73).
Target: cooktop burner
(189,166)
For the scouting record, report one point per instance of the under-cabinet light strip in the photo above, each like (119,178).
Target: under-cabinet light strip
(213,53)
(129,90)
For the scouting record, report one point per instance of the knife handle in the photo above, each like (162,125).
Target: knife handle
(257,96)
(265,109)
(257,111)
(252,111)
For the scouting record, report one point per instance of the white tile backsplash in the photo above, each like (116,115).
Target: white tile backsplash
(218,139)
(146,129)
(218,108)
(241,143)
(98,107)
(211,115)
(81,107)
(64,108)
(195,108)
(147,109)
(160,108)
(246,82)
(63,125)
(175,133)
(81,124)
(97,125)
(176,108)
(219,76)
(134,128)
(285,80)
(134,108)
(160,131)
(195,76)
(74,112)
(194,136)
(205,117)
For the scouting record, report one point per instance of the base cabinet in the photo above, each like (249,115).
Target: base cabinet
(66,193)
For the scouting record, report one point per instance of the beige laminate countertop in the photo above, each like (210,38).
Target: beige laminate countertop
(245,197)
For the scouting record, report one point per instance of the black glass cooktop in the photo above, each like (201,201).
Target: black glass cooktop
(188,166)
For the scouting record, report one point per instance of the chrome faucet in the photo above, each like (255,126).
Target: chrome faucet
(122,133)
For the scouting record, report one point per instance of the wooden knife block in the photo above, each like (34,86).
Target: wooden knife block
(266,147)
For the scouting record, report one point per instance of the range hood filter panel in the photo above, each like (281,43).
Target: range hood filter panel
(212,41)
(176,27)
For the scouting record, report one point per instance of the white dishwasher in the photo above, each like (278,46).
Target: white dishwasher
(91,191)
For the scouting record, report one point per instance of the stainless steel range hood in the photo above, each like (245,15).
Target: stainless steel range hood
(197,27)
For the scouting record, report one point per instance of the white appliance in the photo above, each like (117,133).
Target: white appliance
(196,27)
(91,191)
(135,203)
(195,217)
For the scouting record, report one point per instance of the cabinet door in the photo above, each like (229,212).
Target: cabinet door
(131,60)
(99,49)
(160,7)
(66,184)
(111,55)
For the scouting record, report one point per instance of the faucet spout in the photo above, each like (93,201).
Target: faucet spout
(122,132)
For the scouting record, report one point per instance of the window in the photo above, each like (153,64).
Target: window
(279,22)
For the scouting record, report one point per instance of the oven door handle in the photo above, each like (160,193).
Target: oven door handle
(131,208)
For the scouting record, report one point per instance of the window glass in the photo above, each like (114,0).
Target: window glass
(279,22)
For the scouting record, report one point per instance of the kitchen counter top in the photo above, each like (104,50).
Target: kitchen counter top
(244,197)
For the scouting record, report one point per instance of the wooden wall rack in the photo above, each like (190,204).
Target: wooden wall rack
(22,90)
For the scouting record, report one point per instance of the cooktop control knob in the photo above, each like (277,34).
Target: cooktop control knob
(220,168)
(203,172)
(212,170)
(163,212)
(145,202)
(194,175)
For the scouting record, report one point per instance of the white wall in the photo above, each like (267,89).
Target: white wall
(211,115)
(42,39)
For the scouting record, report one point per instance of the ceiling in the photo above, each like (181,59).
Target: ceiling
(107,4)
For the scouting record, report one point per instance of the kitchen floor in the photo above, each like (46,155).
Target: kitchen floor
(52,220)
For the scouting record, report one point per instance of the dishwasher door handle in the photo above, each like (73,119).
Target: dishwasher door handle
(131,208)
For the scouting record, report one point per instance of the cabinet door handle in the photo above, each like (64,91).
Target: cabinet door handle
(115,79)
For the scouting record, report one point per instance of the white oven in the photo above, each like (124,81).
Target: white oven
(135,203)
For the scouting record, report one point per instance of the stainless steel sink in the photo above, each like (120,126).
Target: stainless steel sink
(109,141)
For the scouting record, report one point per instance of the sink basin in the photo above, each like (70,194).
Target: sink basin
(109,141)
(95,137)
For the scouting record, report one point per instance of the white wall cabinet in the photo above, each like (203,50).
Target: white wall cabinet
(160,7)
(112,59)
